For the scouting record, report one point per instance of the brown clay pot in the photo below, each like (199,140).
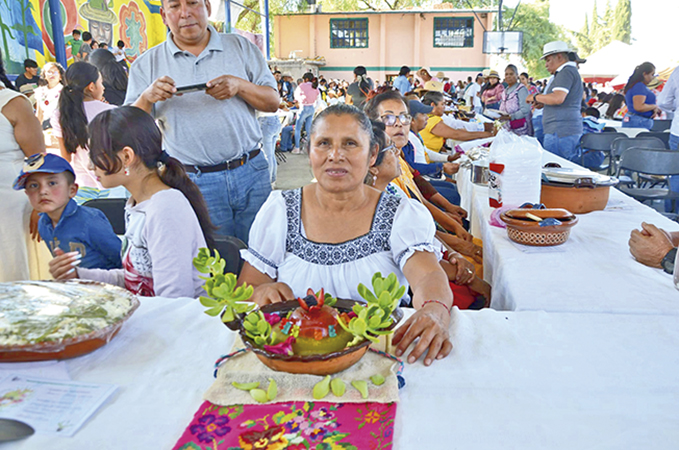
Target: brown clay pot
(326,364)
(578,199)
(529,232)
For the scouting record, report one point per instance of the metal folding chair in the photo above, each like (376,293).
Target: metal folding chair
(665,137)
(645,161)
(598,142)
(229,248)
(619,145)
(661,125)
(113,209)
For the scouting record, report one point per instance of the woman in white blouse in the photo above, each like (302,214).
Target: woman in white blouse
(336,233)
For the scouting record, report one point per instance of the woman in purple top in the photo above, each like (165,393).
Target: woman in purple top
(492,95)
(641,107)
(306,95)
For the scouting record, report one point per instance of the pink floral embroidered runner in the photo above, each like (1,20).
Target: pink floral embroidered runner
(291,426)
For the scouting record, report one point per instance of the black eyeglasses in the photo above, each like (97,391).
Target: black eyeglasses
(390,119)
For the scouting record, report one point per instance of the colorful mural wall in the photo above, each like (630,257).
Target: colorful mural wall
(26,29)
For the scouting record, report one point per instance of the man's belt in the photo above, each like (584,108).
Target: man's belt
(229,165)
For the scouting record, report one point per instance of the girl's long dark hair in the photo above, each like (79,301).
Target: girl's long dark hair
(614,105)
(73,119)
(311,78)
(112,72)
(3,76)
(638,75)
(128,126)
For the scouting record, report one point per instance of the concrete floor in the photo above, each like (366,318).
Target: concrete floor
(294,172)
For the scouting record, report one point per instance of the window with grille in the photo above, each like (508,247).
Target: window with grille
(453,32)
(348,33)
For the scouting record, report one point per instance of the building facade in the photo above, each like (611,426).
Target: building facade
(446,40)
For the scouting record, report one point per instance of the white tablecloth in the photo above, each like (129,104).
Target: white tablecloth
(617,124)
(515,380)
(592,272)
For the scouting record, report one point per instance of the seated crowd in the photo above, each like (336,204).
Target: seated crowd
(383,199)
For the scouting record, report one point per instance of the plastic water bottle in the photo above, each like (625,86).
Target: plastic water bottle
(515,170)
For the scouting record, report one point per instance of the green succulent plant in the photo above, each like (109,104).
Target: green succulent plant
(373,318)
(258,329)
(223,294)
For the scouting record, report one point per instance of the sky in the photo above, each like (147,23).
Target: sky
(654,22)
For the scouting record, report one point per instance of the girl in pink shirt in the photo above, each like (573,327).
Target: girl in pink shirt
(306,95)
(81,99)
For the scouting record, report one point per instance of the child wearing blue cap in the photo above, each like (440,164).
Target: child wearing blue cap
(49,181)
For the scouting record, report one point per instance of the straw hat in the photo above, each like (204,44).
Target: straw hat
(432,85)
(440,75)
(493,73)
(655,82)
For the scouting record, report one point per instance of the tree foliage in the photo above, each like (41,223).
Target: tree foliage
(598,31)
(533,20)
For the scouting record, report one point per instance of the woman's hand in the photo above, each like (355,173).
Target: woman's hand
(456,211)
(470,249)
(272,293)
(429,324)
(62,266)
(465,269)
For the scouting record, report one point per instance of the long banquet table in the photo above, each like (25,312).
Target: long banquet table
(592,272)
(515,380)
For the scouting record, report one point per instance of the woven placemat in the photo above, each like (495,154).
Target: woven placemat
(245,367)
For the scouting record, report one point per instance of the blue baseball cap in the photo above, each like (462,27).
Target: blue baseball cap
(417,107)
(41,163)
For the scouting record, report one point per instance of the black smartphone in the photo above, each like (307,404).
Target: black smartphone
(191,88)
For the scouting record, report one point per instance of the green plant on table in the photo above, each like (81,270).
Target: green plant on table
(223,294)
(374,318)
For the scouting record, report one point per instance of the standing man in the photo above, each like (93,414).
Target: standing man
(401,82)
(214,132)
(561,119)
(472,95)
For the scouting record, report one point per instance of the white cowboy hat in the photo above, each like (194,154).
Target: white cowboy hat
(554,47)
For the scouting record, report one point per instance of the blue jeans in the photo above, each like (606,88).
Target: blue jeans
(271,129)
(234,197)
(568,147)
(637,122)
(538,131)
(674,181)
(304,119)
(448,190)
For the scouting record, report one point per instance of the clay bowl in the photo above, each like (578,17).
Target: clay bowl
(526,231)
(70,347)
(326,364)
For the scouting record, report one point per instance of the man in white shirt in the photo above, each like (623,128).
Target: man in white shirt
(472,97)
(668,101)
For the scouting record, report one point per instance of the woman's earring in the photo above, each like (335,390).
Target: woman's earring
(127,171)
(374,179)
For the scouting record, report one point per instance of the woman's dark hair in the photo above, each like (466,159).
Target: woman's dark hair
(310,78)
(42,81)
(360,70)
(614,105)
(525,74)
(371,108)
(513,68)
(111,71)
(432,97)
(128,126)
(405,70)
(3,76)
(72,117)
(638,75)
(381,139)
(342,109)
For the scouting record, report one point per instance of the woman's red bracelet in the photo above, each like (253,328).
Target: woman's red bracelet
(449,308)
